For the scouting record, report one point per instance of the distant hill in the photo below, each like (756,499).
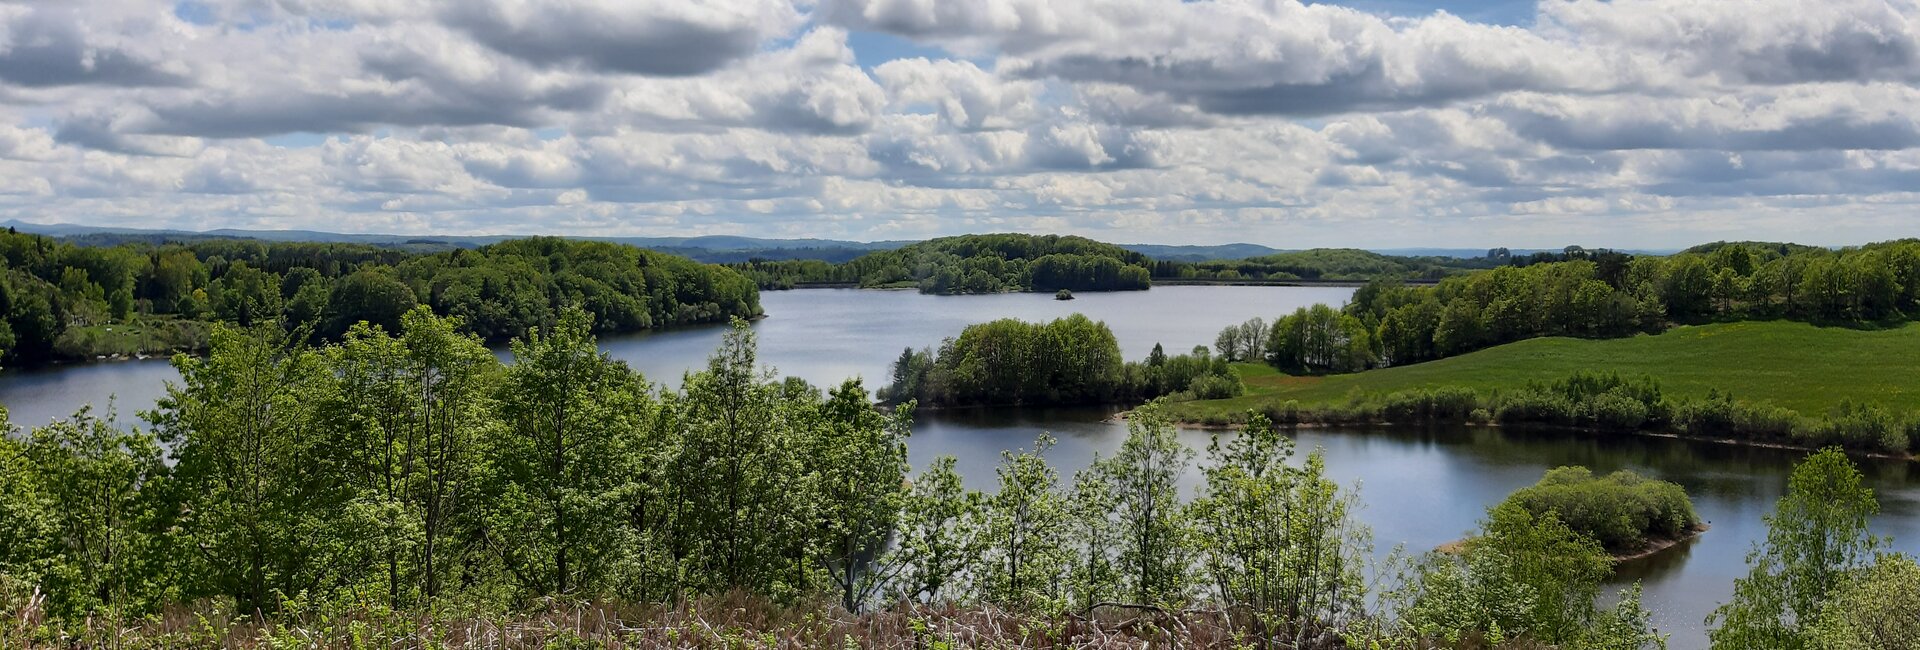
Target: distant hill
(717,249)
(714,249)
(1201,253)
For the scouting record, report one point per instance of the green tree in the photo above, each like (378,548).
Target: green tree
(857,458)
(940,535)
(733,474)
(94,484)
(1026,553)
(235,424)
(1154,545)
(1276,539)
(574,417)
(370,296)
(1816,536)
(1877,608)
(246,296)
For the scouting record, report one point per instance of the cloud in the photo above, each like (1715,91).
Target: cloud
(1269,120)
(49,44)
(649,38)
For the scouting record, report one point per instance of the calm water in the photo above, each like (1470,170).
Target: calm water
(1421,488)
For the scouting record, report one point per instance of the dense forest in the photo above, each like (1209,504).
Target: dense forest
(1327,264)
(972,264)
(60,301)
(1595,295)
(403,488)
(1067,361)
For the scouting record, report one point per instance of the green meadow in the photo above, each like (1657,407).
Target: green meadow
(1798,366)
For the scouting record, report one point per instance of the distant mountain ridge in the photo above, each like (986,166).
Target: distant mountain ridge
(717,249)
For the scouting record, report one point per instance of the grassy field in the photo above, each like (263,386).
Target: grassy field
(1794,365)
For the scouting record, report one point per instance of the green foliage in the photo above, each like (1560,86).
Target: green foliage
(1877,608)
(499,292)
(1319,339)
(1523,577)
(1276,539)
(1152,550)
(941,534)
(1816,537)
(1623,510)
(1320,264)
(1026,556)
(557,491)
(1070,360)
(80,508)
(973,264)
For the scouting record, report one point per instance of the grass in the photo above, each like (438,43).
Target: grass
(149,336)
(1794,365)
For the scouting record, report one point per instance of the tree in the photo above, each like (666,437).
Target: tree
(234,423)
(733,473)
(1026,553)
(1229,343)
(370,296)
(574,416)
(1524,577)
(94,483)
(1154,556)
(1276,539)
(1816,536)
(246,296)
(940,535)
(452,377)
(1876,608)
(858,464)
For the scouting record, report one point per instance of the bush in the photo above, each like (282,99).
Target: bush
(1529,405)
(1213,386)
(1615,411)
(1479,416)
(1622,510)
(1860,427)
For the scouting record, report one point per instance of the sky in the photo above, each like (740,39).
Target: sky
(1373,123)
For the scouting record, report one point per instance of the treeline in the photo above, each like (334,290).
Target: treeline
(1610,403)
(1593,295)
(972,264)
(61,301)
(1324,264)
(1067,361)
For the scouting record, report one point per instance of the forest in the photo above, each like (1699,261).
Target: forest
(972,264)
(60,301)
(1591,295)
(404,487)
(1067,361)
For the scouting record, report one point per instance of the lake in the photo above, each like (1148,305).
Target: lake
(1421,487)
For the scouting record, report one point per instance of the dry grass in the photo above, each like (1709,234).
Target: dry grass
(734,622)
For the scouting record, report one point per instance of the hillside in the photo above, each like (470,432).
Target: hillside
(1793,365)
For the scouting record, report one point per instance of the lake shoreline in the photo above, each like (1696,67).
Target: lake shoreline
(1121,417)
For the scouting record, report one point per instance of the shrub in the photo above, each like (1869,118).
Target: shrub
(1535,406)
(1479,416)
(1621,510)
(1615,411)
(1859,426)
(1213,386)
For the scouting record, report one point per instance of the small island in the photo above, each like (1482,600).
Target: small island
(1631,516)
(1063,294)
